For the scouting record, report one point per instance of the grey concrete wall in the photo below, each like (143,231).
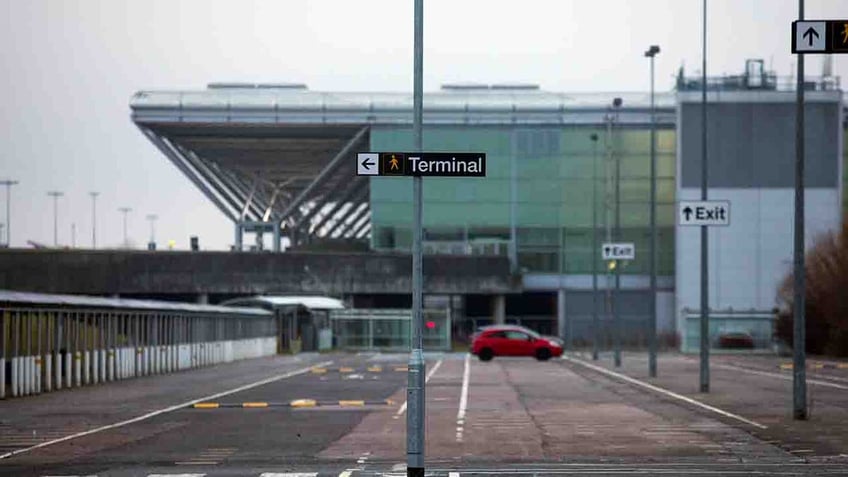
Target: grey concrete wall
(128,272)
(753,144)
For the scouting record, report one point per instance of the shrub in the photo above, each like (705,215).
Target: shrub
(826,306)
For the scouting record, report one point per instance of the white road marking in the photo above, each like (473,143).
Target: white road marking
(346,473)
(165,410)
(780,376)
(665,392)
(453,474)
(463,399)
(426,380)
(290,474)
(176,475)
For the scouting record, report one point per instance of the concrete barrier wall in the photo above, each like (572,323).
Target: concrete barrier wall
(35,374)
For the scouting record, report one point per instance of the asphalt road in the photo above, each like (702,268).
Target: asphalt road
(343,415)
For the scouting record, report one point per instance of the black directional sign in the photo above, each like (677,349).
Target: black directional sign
(421,164)
(704,212)
(820,36)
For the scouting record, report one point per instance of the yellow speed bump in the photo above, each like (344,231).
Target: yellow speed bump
(346,370)
(254,404)
(303,403)
(818,366)
(842,366)
(402,368)
(206,405)
(319,370)
(390,402)
(351,403)
(375,369)
(786,366)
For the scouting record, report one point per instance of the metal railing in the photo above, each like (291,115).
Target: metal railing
(45,348)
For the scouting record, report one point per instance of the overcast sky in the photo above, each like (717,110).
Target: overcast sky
(70,67)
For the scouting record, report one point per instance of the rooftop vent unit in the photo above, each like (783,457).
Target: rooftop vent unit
(236,85)
(515,87)
(465,87)
(299,86)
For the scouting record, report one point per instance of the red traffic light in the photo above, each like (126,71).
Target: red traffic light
(431,324)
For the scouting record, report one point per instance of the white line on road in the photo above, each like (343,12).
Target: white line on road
(453,474)
(426,380)
(289,474)
(166,410)
(463,400)
(780,376)
(665,392)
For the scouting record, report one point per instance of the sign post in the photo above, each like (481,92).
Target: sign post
(418,164)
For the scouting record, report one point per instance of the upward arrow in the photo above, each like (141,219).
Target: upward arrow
(809,35)
(687,212)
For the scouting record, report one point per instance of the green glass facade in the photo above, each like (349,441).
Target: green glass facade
(542,180)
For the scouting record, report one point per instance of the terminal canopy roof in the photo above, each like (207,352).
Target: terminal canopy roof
(278,158)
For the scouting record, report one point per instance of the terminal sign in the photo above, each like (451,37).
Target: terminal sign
(421,164)
(704,212)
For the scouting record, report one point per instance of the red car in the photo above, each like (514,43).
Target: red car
(509,340)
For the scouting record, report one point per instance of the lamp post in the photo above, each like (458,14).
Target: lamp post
(616,104)
(8,183)
(595,248)
(652,331)
(125,211)
(151,245)
(55,194)
(94,218)
(705,302)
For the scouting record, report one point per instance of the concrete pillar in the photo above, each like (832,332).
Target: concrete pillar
(564,327)
(277,238)
(239,237)
(202,298)
(499,309)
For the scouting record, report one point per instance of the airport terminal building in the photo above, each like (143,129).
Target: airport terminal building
(564,173)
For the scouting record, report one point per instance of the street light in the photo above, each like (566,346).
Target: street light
(616,104)
(125,211)
(151,245)
(8,183)
(94,218)
(55,194)
(595,248)
(652,332)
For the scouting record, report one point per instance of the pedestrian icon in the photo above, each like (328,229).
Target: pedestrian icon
(839,38)
(392,164)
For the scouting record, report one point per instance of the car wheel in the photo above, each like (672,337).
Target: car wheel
(543,354)
(486,354)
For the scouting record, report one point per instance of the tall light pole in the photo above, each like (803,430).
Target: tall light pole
(415,431)
(705,303)
(616,103)
(8,183)
(595,246)
(55,194)
(125,211)
(652,332)
(94,218)
(152,243)
(799,368)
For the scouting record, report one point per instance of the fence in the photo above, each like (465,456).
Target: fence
(388,329)
(48,342)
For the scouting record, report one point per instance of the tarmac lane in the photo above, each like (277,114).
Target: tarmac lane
(282,424)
